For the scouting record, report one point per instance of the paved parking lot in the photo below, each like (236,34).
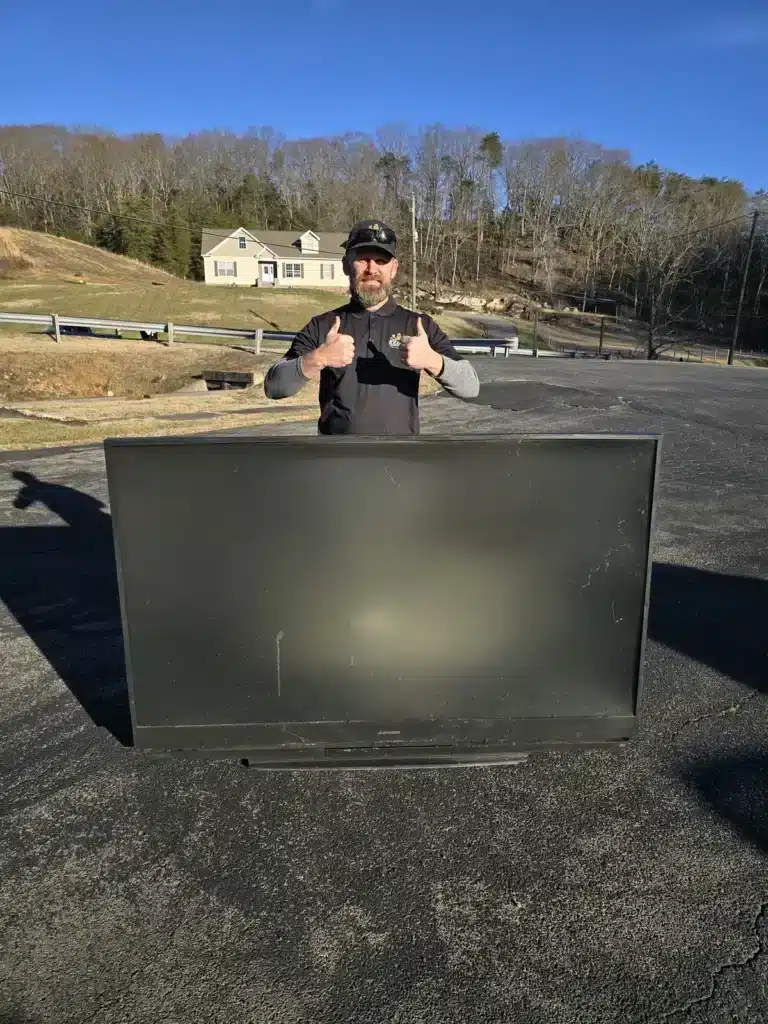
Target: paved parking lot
(619,886)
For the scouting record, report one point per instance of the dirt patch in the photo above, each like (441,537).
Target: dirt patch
(110,410)
(21,435)
(56,394)
(35,367)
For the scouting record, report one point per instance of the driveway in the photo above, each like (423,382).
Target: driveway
(620,886)
(496,326)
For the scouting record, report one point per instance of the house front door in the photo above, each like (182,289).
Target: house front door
(267,273)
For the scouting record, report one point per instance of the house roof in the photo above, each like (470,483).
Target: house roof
(282,243)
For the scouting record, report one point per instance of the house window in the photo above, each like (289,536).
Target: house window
(225,268)
(326,271)
(243,241)
(293,270)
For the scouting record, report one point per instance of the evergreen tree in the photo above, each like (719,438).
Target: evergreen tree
(183,242)
(245,200)
(136,230)
(171,243)
(108,235)
(274,214)
(201,213)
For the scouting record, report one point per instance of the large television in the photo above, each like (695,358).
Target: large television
(361,601)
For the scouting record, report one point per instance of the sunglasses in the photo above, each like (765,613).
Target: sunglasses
(368,236)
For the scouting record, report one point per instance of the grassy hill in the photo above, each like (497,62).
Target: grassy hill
(46,274)
(35,256)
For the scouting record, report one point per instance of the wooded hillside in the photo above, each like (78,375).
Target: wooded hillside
(561,221)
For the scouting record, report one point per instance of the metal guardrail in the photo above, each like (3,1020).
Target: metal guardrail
(50,319)
(25,318)
(55,322)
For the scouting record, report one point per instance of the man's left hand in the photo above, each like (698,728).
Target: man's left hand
(418,354)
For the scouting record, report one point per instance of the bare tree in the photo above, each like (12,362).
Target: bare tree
(551,218)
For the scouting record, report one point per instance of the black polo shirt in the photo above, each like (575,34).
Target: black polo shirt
(376,393)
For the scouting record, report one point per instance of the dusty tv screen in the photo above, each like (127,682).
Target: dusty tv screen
(298,592)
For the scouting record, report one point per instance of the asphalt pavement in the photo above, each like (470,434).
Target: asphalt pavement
(620,886)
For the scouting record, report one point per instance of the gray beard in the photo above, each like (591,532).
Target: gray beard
(367,297)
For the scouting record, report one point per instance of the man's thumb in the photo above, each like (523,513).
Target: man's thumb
(336,325)
(420,326)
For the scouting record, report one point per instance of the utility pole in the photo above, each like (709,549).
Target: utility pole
(413,251)
(744,274)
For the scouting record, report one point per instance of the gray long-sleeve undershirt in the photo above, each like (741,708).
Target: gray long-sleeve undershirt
(285,379)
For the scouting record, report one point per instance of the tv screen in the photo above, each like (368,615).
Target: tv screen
(463,585)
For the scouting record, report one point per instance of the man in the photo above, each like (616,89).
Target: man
(369,354)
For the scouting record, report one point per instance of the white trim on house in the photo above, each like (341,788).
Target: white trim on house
(265,248)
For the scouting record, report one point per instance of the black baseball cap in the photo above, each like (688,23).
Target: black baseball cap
(372,234)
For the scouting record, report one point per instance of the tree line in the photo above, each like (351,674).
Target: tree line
(564,222)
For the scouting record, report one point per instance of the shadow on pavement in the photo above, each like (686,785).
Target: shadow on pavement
(713,618)
(60,584)
(737,789)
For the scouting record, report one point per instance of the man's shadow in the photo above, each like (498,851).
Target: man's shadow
(60,584)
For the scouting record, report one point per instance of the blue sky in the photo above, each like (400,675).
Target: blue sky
(682,82)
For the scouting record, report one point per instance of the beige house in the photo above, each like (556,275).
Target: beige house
(273,259)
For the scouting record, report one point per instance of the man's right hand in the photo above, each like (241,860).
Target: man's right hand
(337,350)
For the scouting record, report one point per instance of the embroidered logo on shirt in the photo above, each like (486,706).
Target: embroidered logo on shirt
(395,340)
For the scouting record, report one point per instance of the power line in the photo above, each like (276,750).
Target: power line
(699,230)
(708,227)
(81,209)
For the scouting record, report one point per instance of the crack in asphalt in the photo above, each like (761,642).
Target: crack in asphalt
(717,972)
(731,710)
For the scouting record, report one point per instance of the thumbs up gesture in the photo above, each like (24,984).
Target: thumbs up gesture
(337,349)
(417,353)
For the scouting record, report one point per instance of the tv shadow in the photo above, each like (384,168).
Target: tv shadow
(719,620)
(714,618)
(736,787)
(60,584)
